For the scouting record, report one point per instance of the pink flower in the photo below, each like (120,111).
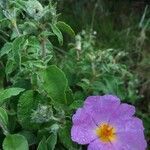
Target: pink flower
(106,124)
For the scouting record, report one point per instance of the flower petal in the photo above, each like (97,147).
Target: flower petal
(123,112)
(98,145)
(133,135)
(121,146)
(101,107)
(83,130)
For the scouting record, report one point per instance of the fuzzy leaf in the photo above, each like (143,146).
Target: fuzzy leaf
(58,33)
(54,83)
(3,119)
(42,145)
(17,47)
(51,141)
(31,138)
(65,28)
(5,49)
(28,101)
(65,137)
(7,93)
(15,142)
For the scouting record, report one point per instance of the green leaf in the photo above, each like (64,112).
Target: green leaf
(51,141)
(65,28)
(3,119)
(15,142)
(6,49)
(42,145)
(54,83)
(46,34)
(10,65)
(2,77)
(28,101)
(76,104)
(17,47)
(65,137)
(58,33)
(69,95)
(7,93)
(31,138)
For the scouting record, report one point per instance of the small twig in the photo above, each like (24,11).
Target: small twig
(43,48)
(60,50)
(16,28)
(93,16)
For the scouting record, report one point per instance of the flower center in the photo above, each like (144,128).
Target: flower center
(106,133)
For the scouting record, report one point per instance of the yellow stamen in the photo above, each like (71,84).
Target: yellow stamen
(106,133)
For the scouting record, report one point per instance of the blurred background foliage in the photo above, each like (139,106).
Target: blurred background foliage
(109,54)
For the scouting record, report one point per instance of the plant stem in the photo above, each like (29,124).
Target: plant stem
(16,28)
(43,48)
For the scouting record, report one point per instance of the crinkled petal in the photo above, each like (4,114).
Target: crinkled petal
(101,107)
(119,145)
(131,125)
(123,113)
(98,145)
(131,135)
(83,129)
(134,141)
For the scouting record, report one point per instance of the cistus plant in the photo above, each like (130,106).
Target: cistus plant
(96,70)
(42,85)
(34,92)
